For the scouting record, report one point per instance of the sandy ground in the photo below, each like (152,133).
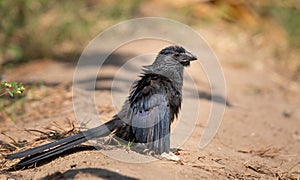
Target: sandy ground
(259,137)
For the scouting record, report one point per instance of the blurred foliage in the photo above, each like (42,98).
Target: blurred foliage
(286,14)
(13,106)
(277,20)
(32,29)
(289,18)
(11,88)
(36,29)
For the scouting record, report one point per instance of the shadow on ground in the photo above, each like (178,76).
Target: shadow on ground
(96,172)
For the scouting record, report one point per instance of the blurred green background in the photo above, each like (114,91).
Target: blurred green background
(39,29)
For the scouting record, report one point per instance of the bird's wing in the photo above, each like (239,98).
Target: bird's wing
(149,112)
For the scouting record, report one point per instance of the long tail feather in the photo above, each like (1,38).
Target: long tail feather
(51,152)
(59,146)
(44,147)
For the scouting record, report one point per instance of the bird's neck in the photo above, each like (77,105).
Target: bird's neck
(170,69)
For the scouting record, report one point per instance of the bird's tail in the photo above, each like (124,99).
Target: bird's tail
(54,148)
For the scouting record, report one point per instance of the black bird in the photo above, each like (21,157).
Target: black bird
(146,116)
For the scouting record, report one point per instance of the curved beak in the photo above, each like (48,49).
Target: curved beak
(186,58)
(189,57)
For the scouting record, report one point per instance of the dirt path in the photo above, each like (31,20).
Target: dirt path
(259,137)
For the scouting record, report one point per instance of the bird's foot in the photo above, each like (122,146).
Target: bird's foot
(170,156)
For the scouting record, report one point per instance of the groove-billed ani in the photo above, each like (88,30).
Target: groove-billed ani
(146,115)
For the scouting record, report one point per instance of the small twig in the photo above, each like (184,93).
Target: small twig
(258,169)
(58,126)
(292,167)
(35,130)
(15,143)
(10,137)
(268,152)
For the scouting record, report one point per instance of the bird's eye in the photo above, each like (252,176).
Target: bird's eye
(176,54)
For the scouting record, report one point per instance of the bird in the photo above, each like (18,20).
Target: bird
(153,103)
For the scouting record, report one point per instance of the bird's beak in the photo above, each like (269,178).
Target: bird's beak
(189,57)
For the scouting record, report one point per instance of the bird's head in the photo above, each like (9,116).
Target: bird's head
(179,54)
